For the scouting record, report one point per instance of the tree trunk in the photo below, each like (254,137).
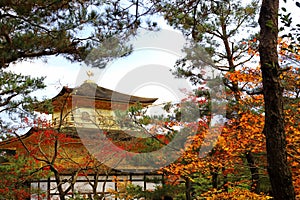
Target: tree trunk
(225,180)
(254,172)
(188,187)
(214,177)
(59,185)
(278,169)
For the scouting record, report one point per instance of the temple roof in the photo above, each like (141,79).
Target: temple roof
(92,90)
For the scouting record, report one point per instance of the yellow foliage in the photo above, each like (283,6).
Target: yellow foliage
(121,192)
(236,194)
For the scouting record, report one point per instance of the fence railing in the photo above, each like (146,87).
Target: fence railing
(46,189)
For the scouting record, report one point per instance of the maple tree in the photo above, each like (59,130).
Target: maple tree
(49,149)
(60,156)
(243,135)
(220,41)
(290,82)
(239,137)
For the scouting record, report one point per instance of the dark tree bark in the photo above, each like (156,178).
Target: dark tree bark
(225,181)
(278,169)
(214,177)
(188,188)
(255,187)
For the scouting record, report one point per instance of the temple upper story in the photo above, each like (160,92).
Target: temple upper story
(89,104)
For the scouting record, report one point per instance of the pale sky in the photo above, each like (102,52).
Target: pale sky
(150,49)
(61,72)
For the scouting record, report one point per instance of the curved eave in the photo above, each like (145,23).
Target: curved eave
(93,92)
(141,100)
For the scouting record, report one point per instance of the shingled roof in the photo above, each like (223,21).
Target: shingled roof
(92,90)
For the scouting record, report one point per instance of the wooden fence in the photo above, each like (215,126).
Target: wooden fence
(46,189)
